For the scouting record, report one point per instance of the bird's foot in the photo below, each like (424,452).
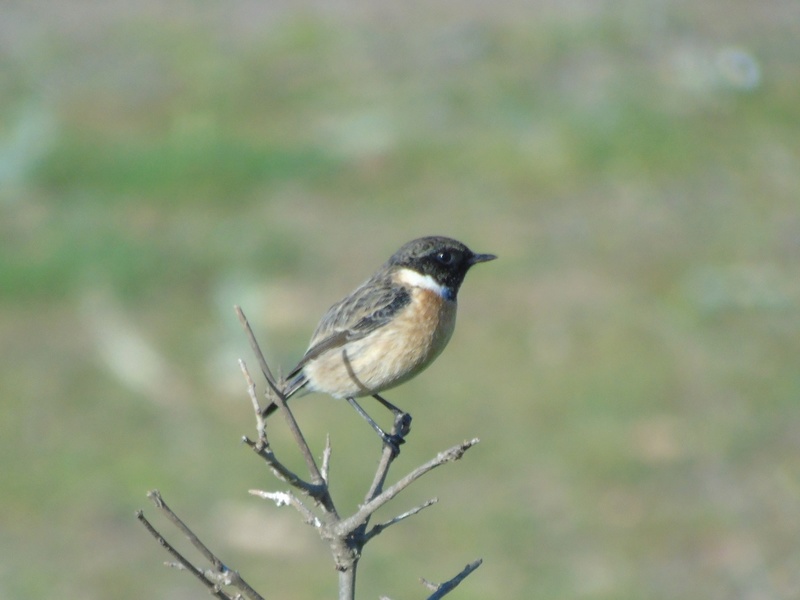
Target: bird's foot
(393,442)
(402,424)
(402,427)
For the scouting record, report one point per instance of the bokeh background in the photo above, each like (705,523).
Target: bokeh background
(630,364)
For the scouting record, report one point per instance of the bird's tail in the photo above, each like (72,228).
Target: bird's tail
(296,382)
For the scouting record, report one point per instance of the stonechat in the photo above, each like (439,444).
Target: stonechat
(389,329)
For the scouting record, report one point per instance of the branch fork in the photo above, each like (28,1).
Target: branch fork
(346,536)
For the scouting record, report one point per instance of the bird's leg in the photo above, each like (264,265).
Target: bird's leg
(396,411)
(401,418)
(393,441)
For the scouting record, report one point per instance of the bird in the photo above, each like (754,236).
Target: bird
(388,330)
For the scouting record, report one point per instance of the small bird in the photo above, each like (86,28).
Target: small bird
(388,330)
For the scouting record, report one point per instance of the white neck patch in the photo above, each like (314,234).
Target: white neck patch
(426,282)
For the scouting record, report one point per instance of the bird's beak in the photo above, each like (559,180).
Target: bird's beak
(479,258)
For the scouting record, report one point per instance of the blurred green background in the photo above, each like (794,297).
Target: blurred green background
(630,364)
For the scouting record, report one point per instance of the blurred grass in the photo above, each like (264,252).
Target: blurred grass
(630,364)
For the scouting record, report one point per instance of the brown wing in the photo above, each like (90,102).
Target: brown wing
(369,307)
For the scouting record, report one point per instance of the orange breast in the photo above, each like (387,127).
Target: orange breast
(390,355)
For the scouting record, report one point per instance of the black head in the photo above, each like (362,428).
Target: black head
(444,259)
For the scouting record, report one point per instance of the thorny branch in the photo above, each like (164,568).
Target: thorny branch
(345,536)
(443,588)
(216,577)
(276,396)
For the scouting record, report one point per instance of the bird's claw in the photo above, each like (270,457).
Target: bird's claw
(393,442)
(402,424)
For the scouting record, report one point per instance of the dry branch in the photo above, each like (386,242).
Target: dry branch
(216,577)
(347,536)
(439,590)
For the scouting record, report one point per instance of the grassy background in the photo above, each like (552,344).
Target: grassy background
(630,364)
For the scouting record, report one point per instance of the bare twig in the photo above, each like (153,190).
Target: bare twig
(261,423)
(440,590)
(283,473)
(400,427)
(378,528)
(289,499)
(279,399)
(254,345)
(326,459)
(317,488)
(182,561)
(158,500)
(452,454)
(262,448)
(213,578)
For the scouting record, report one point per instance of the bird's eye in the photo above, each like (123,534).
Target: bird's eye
(445,257)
